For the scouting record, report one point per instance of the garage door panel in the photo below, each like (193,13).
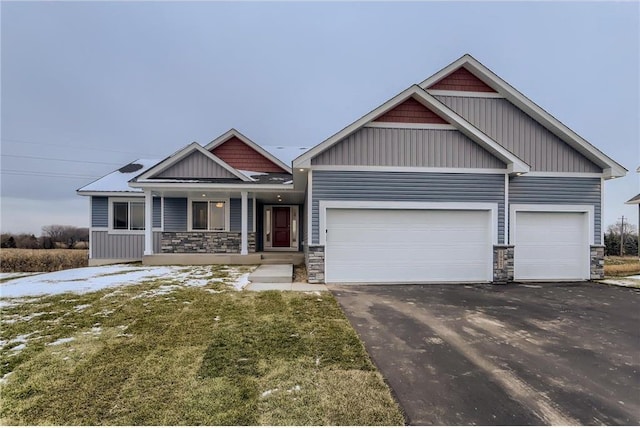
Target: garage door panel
(551,246)
(378,246)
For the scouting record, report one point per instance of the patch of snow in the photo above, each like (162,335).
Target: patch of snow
(629,281)
(268,392)
(19,347)
(250,174)
(294,389)
(81,308)
(5,378)
(82,280)
(217,318)
(61,341)
(241,282)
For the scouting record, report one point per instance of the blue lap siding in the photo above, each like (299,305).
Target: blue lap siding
(405,187)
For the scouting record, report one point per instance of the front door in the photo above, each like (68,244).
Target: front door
(281,226)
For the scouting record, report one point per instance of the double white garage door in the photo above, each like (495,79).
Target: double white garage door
(440,245)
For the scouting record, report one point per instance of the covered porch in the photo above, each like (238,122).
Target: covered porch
(216,223)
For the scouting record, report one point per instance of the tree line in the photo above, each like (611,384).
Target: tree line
(53,236)
(621,240)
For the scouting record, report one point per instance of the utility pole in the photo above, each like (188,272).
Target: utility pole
(622,236)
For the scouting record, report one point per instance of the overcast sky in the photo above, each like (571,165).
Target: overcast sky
(88,87)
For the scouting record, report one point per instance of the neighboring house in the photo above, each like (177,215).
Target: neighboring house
(636,201)
(460,178)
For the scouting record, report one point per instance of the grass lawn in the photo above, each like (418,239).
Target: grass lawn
(157,353)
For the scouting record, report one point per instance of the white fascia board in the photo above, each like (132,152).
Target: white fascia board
(304,160)
(402,125)
(446,170)
(181,154)
(131,193)
(514,164)
(611,168)
(466,94)
(196,186)
(235,133)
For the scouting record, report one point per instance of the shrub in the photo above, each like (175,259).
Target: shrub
(20,260)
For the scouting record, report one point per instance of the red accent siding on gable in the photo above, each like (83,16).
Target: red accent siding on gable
(240,156)
(410,111)
(461,80)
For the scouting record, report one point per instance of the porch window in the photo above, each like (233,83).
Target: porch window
(128,215)
(208,215)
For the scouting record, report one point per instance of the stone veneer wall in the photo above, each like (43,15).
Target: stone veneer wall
(502,264)
(597,261)
(205,242)
(314,259)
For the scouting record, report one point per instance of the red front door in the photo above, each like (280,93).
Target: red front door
(281,226)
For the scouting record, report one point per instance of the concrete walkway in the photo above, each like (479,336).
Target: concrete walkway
(278,277)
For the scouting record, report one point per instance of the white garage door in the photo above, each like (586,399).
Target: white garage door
(551,246)
(408,246)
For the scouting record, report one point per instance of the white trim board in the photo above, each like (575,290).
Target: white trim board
(394,205)
(515,208)
(408,169)
(402,125)
(467,94)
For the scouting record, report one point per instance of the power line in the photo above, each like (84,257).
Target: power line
(11,140)
(59,160)
(45,174)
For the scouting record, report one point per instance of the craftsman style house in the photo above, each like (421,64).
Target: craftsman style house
(459,178)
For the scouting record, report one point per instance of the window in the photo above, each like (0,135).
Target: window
(208,215)
(128,215)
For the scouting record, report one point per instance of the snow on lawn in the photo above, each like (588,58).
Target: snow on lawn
(84,280)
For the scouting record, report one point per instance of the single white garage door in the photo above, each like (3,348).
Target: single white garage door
(551,246)
(408,246)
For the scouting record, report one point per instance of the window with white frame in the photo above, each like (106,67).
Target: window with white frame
(128,215)
(209,215)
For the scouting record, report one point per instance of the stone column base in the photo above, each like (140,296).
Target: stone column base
(502,264)
(314,259)
(597,262)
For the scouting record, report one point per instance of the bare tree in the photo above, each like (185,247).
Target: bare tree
(66,235)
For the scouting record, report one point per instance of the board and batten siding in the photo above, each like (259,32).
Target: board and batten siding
(559,191)
(235,215)
(107,245)
(196,165)
(175,214)
(406,187)
(437,148)
(520,134)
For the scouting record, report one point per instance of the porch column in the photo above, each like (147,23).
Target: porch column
(244,215)
(148,223)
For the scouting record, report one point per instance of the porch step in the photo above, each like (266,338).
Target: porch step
(282,258)
(272,273)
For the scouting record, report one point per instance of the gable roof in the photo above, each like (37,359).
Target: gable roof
(514,164)
(182,154)
(235,133)
(611,168)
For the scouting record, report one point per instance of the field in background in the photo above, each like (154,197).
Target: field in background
(621,266)
(20,260)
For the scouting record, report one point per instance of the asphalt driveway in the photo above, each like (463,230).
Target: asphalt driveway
(535,354)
